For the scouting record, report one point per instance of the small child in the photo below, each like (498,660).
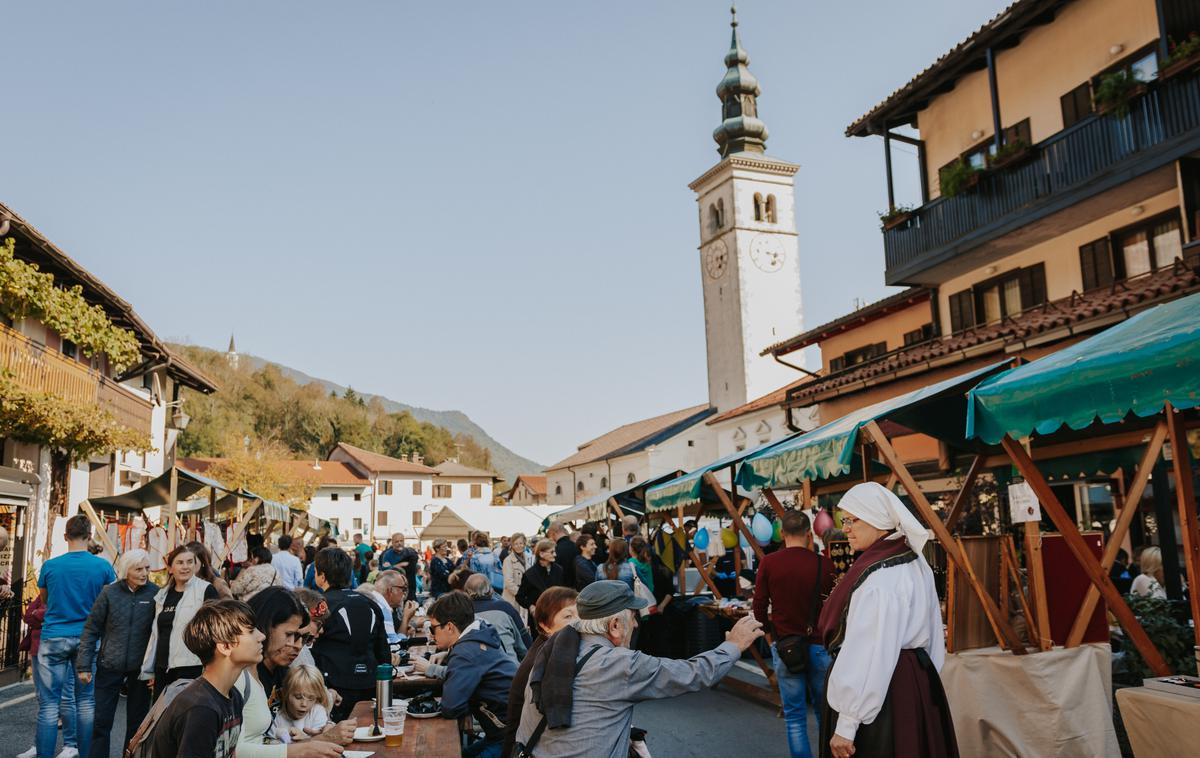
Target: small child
(303,703)
(373,571)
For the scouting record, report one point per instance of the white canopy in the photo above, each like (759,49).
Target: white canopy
(496,520)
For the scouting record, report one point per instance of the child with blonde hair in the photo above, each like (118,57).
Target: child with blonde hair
(303,705)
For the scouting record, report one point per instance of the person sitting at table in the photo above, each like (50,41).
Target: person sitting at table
(1149,582)
(353,641)
(478,673)
(554,610)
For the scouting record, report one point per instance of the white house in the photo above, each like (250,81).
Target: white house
(462,485)
(343,496)
(529,489)
(400,491)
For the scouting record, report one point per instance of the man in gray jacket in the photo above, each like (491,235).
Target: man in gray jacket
(613,678)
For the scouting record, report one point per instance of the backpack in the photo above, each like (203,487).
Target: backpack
(142,744)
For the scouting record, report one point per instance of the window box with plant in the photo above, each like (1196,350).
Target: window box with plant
(1011,154)
(898,216)
(1116,91)
(1183,56)
(959,177)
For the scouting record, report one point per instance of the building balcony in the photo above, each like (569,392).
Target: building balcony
(34,367)
(1087,161)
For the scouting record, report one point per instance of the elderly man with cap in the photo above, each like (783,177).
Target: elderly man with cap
(585,680)
(884,625)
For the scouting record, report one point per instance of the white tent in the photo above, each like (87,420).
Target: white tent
(453,523)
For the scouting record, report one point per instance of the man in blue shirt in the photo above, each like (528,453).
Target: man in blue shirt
(69,586)
(400,558)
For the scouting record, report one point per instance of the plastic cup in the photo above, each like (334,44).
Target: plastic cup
(393,725)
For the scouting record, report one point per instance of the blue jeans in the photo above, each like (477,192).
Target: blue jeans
(796,690)
(56,669)
(66,705)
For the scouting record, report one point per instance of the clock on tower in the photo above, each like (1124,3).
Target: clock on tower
(748,252)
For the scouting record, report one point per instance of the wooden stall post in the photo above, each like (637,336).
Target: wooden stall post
(100,528)
(212,504)
(1005,632)
(964,494)
(171,507)
(773,501)
(682,564)
(239,532)
(1185,497)
(1083,556)
(1132,497)
(1009,551)
(616,507)
(733,513)
(806,493)
(1037,586)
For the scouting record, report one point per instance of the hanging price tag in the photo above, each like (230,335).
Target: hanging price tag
(1023,505)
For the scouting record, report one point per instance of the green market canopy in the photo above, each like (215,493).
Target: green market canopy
(828,451)
(631,500)
(1134,367)
(691,487)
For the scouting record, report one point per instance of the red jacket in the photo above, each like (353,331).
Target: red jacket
(784,584)
(35,614)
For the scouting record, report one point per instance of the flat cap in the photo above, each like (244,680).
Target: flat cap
(607,597)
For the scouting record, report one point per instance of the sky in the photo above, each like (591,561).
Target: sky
(477,206)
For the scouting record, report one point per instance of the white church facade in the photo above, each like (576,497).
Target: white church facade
(749,266)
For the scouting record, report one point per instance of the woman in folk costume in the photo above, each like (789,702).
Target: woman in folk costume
(883,623)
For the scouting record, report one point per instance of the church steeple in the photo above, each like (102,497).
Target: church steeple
(740,129)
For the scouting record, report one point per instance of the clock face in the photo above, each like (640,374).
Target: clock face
(716,259)
(767,253)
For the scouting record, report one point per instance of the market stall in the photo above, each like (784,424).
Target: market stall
(457,522)
(631,500)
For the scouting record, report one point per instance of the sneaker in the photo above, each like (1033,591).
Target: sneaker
(68,752)
(30,753)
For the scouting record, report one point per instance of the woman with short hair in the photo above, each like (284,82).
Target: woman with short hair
(516,563)
(541,576)
(553,610)
(1149,583)
(120,621)
(167,658)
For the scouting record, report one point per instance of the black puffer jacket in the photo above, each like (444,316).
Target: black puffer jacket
(121,619)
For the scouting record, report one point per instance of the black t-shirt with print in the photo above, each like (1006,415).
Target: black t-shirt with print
(200,723)
(166,620)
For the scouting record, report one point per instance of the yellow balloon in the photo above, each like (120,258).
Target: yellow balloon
(729,538)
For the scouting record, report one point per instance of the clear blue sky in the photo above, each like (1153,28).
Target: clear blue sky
(475,205)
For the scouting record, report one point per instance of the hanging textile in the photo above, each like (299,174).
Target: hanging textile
(238,551)
(113,530)
(213,538)
(135,536)
(158,548)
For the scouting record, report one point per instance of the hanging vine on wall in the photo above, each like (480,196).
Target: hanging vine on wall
(81,430)
(26,292)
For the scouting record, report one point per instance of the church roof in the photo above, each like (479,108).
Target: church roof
(636,436)
(740,129)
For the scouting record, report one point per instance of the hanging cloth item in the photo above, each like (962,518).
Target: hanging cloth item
(135,536)
(158,548)
(238,552)
(113,530)
(213,539)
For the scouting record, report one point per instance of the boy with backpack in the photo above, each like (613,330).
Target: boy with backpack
(202,718)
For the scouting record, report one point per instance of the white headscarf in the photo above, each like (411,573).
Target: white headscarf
(879,507)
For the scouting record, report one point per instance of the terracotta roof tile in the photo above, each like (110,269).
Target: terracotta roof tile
(329,473)
(1123,297)
(634,436)
(380,463)
(535,482)
(870,312)
(454,468)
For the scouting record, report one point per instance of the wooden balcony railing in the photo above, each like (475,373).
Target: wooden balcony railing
(34,367)
(1086,159)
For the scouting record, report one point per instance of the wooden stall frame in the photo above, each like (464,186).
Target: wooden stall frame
(100,528)
(1185,498)
(1083,556)
(239,531)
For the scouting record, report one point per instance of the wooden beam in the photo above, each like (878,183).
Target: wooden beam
(1185,498)
(773,500)
(171,509)
(1040,632)
(616,507)
(239,532)
(733,513)
(1079,447)
(1116,604)
(1132,497)
(806,492)
(964,494)
(100,528)
(1009,551)
(712,586)
(1005,632)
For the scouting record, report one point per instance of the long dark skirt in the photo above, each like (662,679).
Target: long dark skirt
(915,719)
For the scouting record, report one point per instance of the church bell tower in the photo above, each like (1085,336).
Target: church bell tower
(748,252)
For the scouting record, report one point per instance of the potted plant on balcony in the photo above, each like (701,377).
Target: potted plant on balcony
(1011,154)
(958,177)
(1116,91)
(897,216)
(1183,56)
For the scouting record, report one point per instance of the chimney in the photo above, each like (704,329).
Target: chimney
(418,458)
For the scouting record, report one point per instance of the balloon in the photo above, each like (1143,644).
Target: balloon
(728,538)
(823,522)
(701,540)
(742,541)
(760,527)
(777,531)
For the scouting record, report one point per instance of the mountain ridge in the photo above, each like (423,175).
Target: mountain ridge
(507,463)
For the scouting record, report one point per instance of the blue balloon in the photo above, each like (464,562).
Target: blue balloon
(760,527)
(742,541)
(701,539)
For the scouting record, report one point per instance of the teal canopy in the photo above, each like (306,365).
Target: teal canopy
(1133,367)
(690,487)
(828,451)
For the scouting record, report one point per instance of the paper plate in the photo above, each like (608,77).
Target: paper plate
(363,734)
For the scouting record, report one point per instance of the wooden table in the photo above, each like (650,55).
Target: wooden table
(423,738)
(1159,723)
(411,686)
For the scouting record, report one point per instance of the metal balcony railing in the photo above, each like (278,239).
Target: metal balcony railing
(34,367)
(1097,148)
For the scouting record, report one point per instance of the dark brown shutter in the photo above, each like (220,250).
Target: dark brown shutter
(1095,261)
(1033,286)
(962,311)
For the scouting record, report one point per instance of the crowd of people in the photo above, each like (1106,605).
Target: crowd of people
(543,642)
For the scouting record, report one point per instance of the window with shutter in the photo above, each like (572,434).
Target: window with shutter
(837,364)
(962,311)
(1076,104)
(1033,286)
(1095,262)
(1018,132)
(476,491)
(381,518)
